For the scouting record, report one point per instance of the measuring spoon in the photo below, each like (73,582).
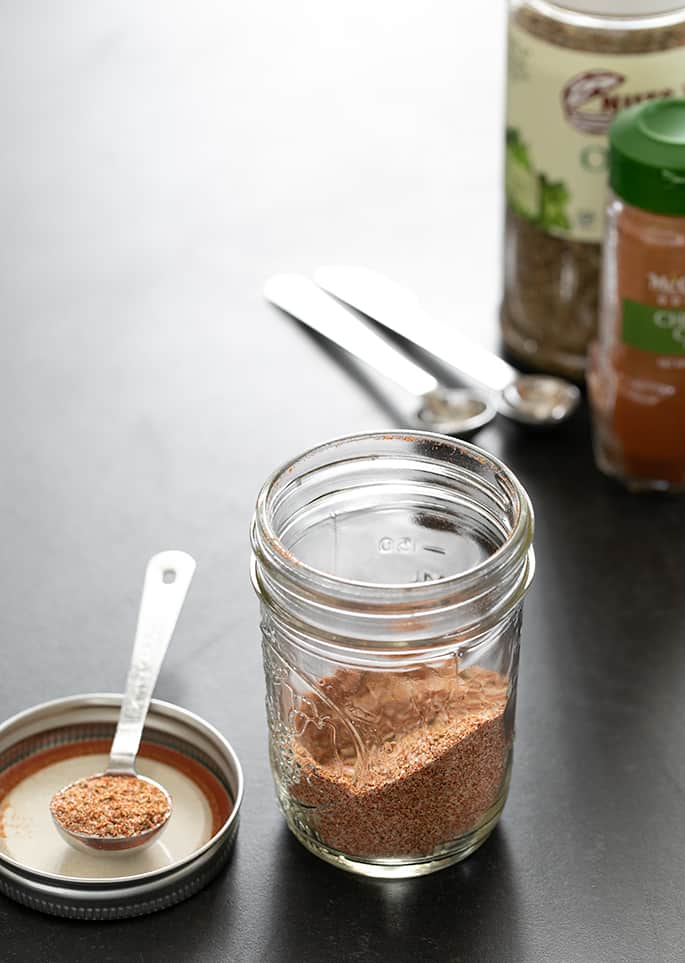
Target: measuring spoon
(167,579)
(449,411)
(535,399)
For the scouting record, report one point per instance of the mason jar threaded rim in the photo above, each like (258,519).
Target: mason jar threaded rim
(464,604)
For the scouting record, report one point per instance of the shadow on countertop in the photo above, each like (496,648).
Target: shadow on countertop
(468,912)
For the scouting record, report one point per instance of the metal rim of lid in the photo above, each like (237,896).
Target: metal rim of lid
(122,897)
(118,904)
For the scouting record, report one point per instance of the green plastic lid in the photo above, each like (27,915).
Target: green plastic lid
(647,156)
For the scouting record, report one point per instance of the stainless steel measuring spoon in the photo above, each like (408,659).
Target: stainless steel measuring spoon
(167,579)
(535,399)
(449,411)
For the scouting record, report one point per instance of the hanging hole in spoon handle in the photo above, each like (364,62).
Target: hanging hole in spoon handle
(167,579)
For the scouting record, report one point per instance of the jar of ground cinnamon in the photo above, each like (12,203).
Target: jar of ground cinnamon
(637,372)
(391,570)
(572,66)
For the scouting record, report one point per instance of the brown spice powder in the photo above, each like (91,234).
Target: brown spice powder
(435,759)
(110,806)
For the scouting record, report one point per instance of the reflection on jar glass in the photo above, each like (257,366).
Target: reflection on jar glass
(391,570)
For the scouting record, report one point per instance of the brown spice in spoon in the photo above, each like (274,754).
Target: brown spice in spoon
(110,806)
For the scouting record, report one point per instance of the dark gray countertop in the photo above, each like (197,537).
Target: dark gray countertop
(160,161)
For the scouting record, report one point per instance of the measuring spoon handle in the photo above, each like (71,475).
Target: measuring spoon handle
(167,579)
(309,304)
(398,309)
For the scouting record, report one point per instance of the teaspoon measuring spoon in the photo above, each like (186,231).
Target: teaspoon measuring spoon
(535,399)
(167,579)
(449,411)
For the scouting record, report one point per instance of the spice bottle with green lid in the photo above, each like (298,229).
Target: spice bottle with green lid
(636,374)
(572,66)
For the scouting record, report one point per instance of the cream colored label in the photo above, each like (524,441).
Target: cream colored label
(559,106)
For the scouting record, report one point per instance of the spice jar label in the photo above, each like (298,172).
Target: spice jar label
(660,330)
(651,288)
(560,103)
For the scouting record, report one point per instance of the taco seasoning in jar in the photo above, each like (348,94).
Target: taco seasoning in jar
(636,376)
(572,66)
(391,570)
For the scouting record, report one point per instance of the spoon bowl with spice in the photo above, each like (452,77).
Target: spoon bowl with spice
(115,812)
(118,811)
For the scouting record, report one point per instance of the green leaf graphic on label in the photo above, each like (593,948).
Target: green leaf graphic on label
(555,198)
(650,328)
(523,189)
(516,149)
(530,193)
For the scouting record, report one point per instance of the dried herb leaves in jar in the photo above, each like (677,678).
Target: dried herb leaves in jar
(569,73)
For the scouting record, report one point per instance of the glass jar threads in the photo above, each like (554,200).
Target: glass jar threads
(391,570)
(636,377)
(571,66)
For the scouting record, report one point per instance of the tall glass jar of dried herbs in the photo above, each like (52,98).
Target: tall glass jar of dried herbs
(572,66)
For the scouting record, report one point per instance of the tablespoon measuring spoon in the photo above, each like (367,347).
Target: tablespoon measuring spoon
(449,411)
(167,579)
(534,399)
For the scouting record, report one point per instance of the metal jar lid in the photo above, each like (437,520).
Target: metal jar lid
(86,717)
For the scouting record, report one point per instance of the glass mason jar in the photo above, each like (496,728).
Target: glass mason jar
(572,65)
(391,570)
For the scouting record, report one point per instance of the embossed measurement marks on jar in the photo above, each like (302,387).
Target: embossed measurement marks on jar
(404,545)
(387,544)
